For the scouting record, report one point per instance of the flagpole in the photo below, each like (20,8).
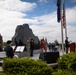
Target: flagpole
(62,29)
(65,21)
(59,19)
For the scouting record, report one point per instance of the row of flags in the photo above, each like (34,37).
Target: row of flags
(59,14)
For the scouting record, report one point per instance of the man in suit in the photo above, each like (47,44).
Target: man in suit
(9,50)
(67,44)
(32,45)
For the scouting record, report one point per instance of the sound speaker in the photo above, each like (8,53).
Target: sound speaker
(49,57)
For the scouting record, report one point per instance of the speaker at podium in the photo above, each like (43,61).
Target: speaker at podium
(49,57)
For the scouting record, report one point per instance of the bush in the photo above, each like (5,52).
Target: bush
(67,61)
(64,72)
(2,74)
(12,74)
(27,66)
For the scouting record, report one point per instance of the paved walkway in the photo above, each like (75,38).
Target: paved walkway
(36,56)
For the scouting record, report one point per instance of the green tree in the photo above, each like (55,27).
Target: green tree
(4,44)
(56,42)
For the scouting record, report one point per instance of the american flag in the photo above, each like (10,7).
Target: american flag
(63,16)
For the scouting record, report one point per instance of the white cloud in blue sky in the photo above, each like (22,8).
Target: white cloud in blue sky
(70,13)
(73,0)
(43,1)
(16,5)
(43,24)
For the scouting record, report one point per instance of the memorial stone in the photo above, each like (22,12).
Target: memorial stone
(23,32)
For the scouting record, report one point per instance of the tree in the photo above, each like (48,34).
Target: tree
(56,42)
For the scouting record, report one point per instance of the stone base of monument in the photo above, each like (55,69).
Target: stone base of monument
(25,53)
(38,51)
(21,54)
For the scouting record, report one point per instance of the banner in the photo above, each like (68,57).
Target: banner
(58,10)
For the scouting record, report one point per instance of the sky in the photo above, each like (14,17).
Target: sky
(41,15)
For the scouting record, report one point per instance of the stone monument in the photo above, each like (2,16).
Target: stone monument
(22,33)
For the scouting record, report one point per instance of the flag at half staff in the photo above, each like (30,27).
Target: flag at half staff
(63,16)
(58,10)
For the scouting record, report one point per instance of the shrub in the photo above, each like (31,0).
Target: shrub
(67,61)
(64,72)
(12,74)
(2,74)
(26,65)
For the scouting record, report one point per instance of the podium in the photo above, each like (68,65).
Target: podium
(72,47)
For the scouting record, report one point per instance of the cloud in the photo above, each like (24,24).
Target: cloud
(43,26)
(11,15)
(16,5)
(48,27)
(70,15)
(71,33)
(43,1)
(73,0)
